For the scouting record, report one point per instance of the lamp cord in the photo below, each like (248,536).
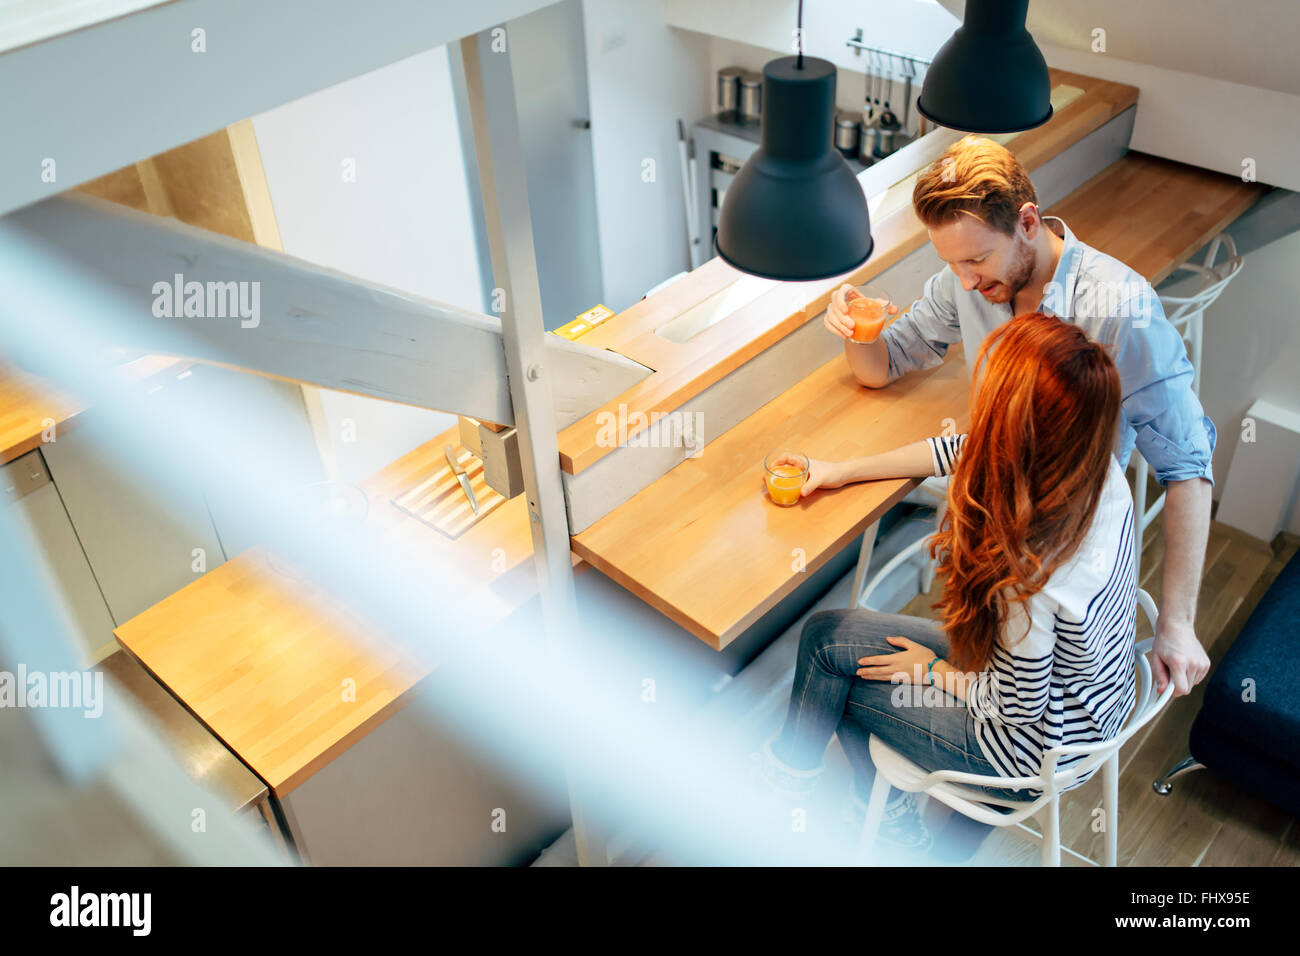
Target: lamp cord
(799,31)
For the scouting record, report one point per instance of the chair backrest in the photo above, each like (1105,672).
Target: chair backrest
(1144,709)
(1214,279)
(1050,780)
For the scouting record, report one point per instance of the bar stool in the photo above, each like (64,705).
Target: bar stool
(932,492)
(958,789)
(1187,315)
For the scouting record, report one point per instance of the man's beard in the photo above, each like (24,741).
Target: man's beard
(1022,270)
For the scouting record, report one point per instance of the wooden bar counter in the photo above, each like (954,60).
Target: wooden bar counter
(708,548)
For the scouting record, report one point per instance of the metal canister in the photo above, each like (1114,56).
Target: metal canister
(867,141)
(885,141)
(729,92)
(751,97)
(846,133)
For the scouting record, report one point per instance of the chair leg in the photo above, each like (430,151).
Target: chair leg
(927,575)
(1198,327)
(875,813)
(1165,785)
(1110,807)
(1139,511)
(864,559)
(928,565)
(1052,833)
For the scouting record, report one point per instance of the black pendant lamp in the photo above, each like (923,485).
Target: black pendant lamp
(990,77)
(795,211)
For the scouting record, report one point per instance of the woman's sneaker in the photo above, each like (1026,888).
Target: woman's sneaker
(783,779)
(785,787)
(901,826)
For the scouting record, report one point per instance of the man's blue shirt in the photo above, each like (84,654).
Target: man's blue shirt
(1113,305)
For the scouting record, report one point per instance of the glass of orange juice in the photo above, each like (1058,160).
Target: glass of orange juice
(869,310)
(785,472)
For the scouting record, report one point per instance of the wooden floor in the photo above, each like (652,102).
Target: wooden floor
(1205,821)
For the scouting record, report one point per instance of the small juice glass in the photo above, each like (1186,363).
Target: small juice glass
(869,310)
(785,472)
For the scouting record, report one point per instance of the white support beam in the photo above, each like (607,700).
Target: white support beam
(489,86)
(312,325)
(103,90)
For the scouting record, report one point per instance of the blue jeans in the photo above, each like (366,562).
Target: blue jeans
(934,730)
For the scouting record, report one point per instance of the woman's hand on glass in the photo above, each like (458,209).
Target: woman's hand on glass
(821,474)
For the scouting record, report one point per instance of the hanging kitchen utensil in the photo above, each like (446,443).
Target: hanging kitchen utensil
(866,95)
(887,117)
(907,97)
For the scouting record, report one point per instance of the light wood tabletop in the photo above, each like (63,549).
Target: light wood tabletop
(1152,213)
(260,655)
(706,546)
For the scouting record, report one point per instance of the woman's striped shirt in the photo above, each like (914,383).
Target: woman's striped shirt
(1071,679)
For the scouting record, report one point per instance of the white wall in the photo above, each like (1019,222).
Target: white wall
(1207,122)
(642,77)
(1252,347)
(1219,80)
(405,221)
(917,27)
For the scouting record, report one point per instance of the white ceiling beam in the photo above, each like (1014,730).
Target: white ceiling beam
(94,99)
(78,256)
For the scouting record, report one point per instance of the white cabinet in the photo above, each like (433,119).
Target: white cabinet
(142,536)
(139,536)
(25,488)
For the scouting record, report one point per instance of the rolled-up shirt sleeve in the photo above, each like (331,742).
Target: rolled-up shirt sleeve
(1173,432)
(919,338)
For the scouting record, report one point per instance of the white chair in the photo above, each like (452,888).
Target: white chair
(1187,315)
(957,789)
(932,492)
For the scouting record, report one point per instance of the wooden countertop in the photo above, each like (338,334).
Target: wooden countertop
(1152,213)
(683,370)
(704,544)
(259,656)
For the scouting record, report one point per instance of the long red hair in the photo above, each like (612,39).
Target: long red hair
(1022,495)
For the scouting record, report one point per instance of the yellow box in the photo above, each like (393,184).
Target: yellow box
(585,322)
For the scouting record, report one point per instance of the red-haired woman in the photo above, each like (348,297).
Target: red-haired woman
(1035,649)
